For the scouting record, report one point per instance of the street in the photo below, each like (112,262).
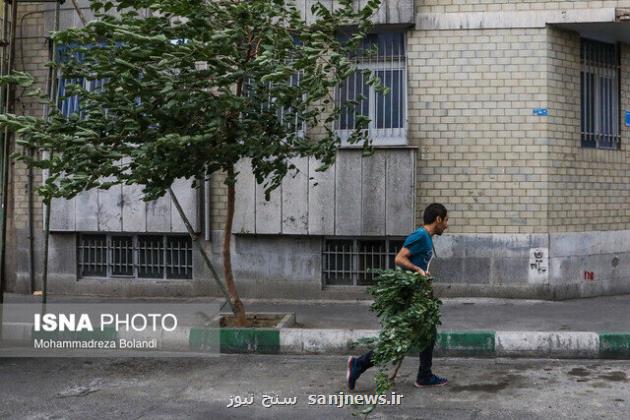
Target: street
(202,388)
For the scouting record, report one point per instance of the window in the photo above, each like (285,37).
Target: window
(69,105)
(137,256)
(387,113)
(288,116)
(599,91)
(347,261)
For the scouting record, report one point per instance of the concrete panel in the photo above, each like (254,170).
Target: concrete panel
(268,213)
(462,245)
(134,209)
(321,200)
(489,245)
(245,194)
(68,17)
(159,215)
(510,271)
(400,190)
(398,12)
(449,270)
(295,199)
(373,194)
(187,197)
(511,19)
(287,267)
(476,269)
(348,193)
(391,12)
(62,215)
(87,211)
(110,209)
(589,243)
(63,254)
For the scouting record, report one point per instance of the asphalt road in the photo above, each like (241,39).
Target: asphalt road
(202,388)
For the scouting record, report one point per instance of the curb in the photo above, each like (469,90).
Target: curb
(551,344)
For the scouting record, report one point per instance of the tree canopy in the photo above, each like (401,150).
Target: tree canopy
(184,88)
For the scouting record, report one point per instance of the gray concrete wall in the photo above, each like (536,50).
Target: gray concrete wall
(496,265)
(359,195)
(604,254)
(537,266)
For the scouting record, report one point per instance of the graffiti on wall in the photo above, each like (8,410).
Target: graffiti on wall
(538,261)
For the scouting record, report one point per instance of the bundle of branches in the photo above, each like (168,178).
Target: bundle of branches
(409,315)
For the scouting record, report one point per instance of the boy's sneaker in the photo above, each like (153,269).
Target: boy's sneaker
(432,380)
(352,373)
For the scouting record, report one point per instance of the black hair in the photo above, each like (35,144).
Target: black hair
(432,212)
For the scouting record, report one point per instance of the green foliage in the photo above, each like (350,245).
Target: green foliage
(409,316)
(191,88)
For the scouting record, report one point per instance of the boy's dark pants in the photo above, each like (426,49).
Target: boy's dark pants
(426,360)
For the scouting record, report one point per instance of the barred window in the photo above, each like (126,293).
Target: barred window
(387,113)
(287,115)
(136,256)
(347,261)
(599,91)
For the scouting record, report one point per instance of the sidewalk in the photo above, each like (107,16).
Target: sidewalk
(590,327)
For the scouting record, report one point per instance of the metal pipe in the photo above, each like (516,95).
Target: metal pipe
(6,152)
(31,227)
(48,201)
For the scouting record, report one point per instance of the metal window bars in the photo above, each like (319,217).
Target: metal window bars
(599,92)
(138,256)
(92,255)
(384,55)
(348,261)
(286,115)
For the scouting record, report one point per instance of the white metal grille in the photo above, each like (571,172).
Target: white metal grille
(72,104)
(143,256)
(383,54)
(286,115)
(599,89)
(348,261)
(92,255)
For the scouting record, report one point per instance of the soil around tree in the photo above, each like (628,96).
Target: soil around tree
(253,321)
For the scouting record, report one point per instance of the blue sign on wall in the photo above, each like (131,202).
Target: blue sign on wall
(541,112)
(627,118)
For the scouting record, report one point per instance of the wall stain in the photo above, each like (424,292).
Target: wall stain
(616,376)
(481,387)
(579,372)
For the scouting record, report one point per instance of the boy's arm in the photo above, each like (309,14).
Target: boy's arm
(402,260)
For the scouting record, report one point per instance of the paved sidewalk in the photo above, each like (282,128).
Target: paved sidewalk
(480,327)
(600,314)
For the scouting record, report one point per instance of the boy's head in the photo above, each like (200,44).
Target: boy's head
(437,215)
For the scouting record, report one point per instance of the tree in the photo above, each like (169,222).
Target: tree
(189,89)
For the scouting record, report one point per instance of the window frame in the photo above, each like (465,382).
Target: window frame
(163,261)
(395,136)
(358,277)
(598,120)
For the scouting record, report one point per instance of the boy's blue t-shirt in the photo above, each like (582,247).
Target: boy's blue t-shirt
(420,245)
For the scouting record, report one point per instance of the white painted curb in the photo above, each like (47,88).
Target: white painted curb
(546,344)
(298,340)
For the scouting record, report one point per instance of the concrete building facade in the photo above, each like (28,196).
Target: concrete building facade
(511,113)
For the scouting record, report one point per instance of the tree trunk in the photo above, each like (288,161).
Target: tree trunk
(195,238)
(237,304)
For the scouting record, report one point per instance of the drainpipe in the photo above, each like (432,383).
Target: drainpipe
(31,229)
(48,201)
(6,149)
